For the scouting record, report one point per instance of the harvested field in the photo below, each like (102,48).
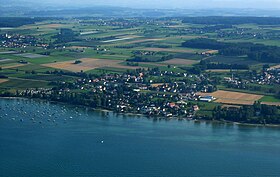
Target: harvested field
(212,51)
(43,26)
(30,55)
(228,97)
(3,80)
(54,25)
(12,66)
(157,85)
(179,61)
(275,67)
(169,50)
(88,64)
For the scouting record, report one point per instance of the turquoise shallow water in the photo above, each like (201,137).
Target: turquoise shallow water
(41,139)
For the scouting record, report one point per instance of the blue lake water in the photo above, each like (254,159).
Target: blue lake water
(41,139)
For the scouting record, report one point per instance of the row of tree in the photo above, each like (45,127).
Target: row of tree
(258,52)
(206,64)
(139,58)
(257,114)
(65,35)
(18,21)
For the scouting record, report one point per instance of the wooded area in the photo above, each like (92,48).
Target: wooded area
(258,52)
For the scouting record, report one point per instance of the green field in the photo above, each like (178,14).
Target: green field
(270,99)
(23,84)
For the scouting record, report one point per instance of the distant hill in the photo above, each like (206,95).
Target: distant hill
(19,8)
(215,20)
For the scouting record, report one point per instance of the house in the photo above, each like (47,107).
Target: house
(172,105)
(195,108)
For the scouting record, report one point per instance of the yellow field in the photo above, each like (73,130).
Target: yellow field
(158,84)
(212,51)
(88,64)
(44,26)
(3,80)
(12,66)
(54,25)
(275,67)
(228,97)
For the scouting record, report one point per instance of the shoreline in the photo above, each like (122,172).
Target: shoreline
(155,117)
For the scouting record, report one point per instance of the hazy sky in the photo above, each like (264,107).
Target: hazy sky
(175,3)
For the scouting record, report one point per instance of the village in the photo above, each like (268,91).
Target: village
(130,93)
(268,77)
(21,41)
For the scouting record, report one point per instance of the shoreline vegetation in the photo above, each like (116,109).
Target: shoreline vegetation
(195,120)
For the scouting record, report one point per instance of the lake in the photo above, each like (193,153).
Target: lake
(42,139)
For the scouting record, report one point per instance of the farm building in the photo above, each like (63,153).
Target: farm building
(207,98)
